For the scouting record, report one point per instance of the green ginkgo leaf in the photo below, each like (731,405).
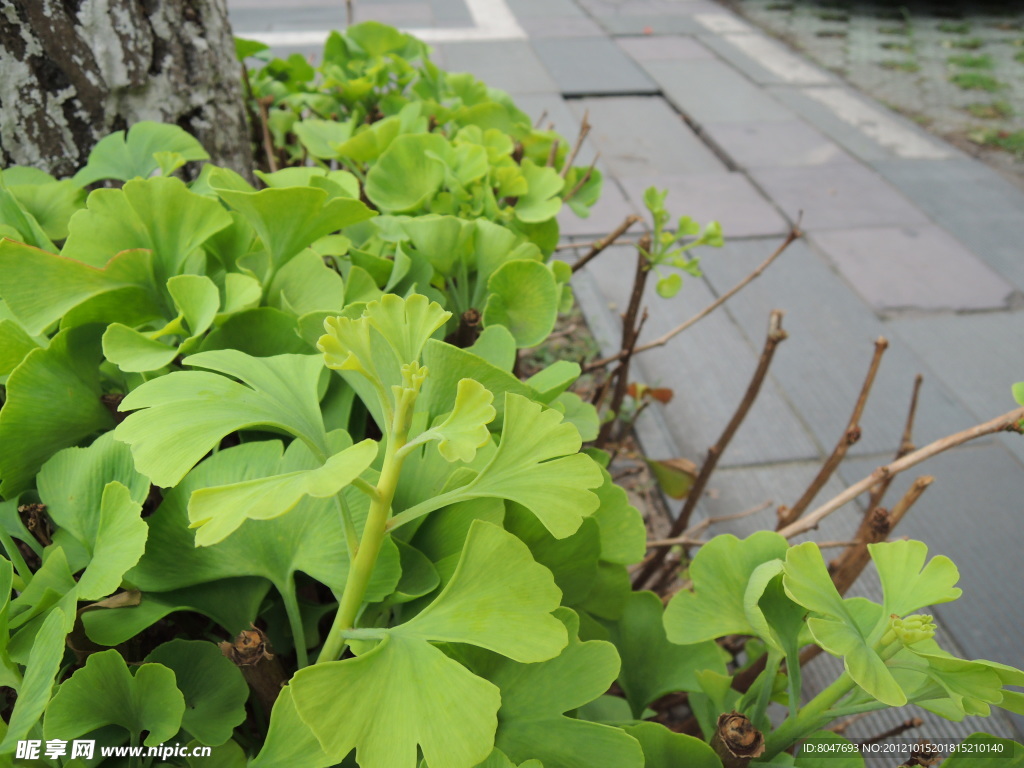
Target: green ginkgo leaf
(126,155)
(499,598)
(290,743)
(665,749)
(651,665)
(541,202)
(119,542)
(104,692)
(219,511)
(534,698)
(213,687)
(288,219)
(34,690)
(41,287)
(536,465)
(278,392)
(621,526)
(197,300)
(133,352)
(524,298)
(160,214)
(720,572)
(15,343)
(451,718)
(408,172)
(465,430)
(52,402)
(907,583)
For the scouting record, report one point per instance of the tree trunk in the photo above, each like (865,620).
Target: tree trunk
(73,71)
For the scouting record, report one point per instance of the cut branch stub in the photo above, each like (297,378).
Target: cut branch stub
(736,740)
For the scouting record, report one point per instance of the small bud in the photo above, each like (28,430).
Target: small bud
(913,629)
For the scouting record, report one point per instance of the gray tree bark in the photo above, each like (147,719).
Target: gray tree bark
(73,71)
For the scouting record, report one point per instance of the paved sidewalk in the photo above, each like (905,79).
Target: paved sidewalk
(906,238)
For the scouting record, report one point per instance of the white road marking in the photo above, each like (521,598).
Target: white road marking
(877,125)
(492,20)
(723,23)
(772,56)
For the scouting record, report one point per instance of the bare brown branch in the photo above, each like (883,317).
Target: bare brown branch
(584,130)
(849,437)
(1008,422)
(662,340)
(606,241)
(906,444)
(776,335)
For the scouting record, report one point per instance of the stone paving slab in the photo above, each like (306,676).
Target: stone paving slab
(591,66)
(633,24)
(511,65)
(775,145)
(765,61)
(708,90)
(543,9)
(658,48)
(396,14)
(709,367)
(981,208)
(839,196)
(970,522)
(729,198)
(451,12)
(925,268)
(664,145)
(831,339)
(976,356)
(560,27)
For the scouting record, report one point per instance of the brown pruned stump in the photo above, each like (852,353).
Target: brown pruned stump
(469,329)
(923,756)
(736,740)
(262,670)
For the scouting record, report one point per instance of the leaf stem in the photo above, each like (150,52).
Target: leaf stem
(811,717)
(14,555)
(361,567)
(291,607)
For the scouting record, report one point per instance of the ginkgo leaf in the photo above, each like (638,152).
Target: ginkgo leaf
(907,583)
(465,430)
(524,298)
(499,598)
(541,201)
(197,299)
(125,155)
(289,743)
(105,692)
(278,392)
(219,511)
(665,749)
(531,723)
(133,352)
(425,698)
(119,542)
(720,572)
(531,467)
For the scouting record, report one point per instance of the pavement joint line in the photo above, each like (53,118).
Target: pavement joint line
(876,125)
(724,23)
(492,20)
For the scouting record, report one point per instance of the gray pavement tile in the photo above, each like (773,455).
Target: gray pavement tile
(451,13)
(646,24)
(773,145)
(276,18)
(839,196)
(981,208)
(605,215)
(657,48)
(643,136)
(553,108)
(650,7)
(591,65)
(709,90)
(972,514)
(923,267)
(510,65)
(708,366)
(560,27)
(396,14)
(542,9)
(974,355)
(831,332)
(729,198)
(764,60)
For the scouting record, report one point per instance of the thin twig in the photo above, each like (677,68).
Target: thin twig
(540,120)
(850,436)
(906,444)
(583,180)
(876,527)
(707,522)
(589,244)
(553,154)
(584,130)
(268,144)
(841,727)
(775,336)
(606,241)
(793,235)
(1008,422)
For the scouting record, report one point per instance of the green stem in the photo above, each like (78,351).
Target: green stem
(291,607)
(361,567)
(133,760)
(173,328)
(811,717)
(764,695)
(14,555)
